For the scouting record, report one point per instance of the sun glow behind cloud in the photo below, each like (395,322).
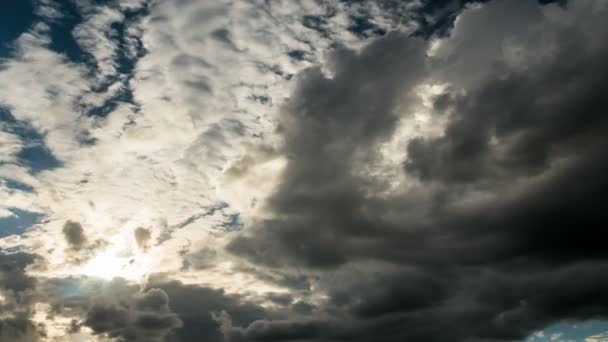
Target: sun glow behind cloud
(113,262)
(188,127)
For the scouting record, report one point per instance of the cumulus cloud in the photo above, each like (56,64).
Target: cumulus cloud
(303,171)
(148,319)
(487,192)
(19,330)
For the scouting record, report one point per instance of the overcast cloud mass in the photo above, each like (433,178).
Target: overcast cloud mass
(303,170)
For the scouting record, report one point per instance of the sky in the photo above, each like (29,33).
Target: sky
(303,170)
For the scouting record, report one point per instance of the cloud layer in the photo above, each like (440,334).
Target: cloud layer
(303,171)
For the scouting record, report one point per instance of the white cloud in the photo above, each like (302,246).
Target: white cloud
(201,133)
(96,36)
(598,338)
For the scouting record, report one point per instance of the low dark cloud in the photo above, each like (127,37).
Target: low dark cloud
(13,276)
(501,232)
(280,331)
(198,308)
(16,291)
(108,318)
(20,329)
(143,317)
(486,231)
(165,310)
(332,127)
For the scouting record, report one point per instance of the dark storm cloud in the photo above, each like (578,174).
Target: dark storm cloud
(115,308)
(107,318)
(523,112)
(13,275)
(386,294)
(332,126)
(19,329)
(529,134)
(147,318)
(473,305)
(198,308)
(501,236)
(16,288)
(165,310)
(548,122)
(280,331)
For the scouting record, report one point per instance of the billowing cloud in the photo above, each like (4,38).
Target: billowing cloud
(147,319)
(303,171)
(19,330)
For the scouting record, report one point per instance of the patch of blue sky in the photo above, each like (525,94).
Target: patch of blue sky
(124,95)
(63,42)
(227,219)
(362,27)
(16,185)
(62,39)
(72,289)
(125,65)
(16,17)
(590,331)
(19,222)
(19,17)
(35,155)
(38,157)
(233,222)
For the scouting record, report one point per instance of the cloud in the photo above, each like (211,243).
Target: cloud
(197,307)
(332,127)
(279,331)
(148,319)
(74,234)
(304,171)
(16,290)
(597,338)
(13,276)
(142,237)
(19,330)
(495,191)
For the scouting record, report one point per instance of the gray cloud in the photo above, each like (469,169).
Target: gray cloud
(147,318)
(13,275)
(197,307)
(74,235)
(19,329)
(281,331)
(142,237)
(487,229)
(332,127)
(16,289)
(506,217)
